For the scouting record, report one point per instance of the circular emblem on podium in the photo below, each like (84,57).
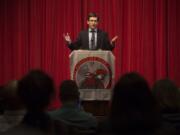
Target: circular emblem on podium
(93,73)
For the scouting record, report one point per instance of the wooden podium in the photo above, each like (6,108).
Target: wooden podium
(93,72)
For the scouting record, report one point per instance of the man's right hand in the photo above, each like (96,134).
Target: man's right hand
(67,38)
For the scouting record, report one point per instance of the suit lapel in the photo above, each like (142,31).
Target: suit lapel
(87,39)
(98,39)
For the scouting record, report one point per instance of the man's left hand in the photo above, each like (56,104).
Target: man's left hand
(114,39)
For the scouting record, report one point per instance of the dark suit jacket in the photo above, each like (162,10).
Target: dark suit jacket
(82,41)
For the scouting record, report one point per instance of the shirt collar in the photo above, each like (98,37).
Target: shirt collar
(95,30)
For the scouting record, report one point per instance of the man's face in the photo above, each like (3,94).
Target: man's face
(92,22)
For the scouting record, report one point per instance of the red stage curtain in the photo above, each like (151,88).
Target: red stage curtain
(31,36)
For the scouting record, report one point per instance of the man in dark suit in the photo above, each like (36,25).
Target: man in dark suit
(92,38)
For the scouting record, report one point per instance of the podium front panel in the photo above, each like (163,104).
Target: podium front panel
(93,71)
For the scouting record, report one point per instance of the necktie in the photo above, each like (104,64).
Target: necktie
(93,40)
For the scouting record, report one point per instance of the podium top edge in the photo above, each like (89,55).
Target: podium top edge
(81,50)
(90,51)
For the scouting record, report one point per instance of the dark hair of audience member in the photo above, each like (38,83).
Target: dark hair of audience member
(167,94)
(11,98)
(133,107)
(69,91)
(36,90)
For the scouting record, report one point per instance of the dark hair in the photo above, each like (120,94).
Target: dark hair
(167,94)
(68,91)
(92,14)
(35,89)
(133,105)
(1,100)
(11,98)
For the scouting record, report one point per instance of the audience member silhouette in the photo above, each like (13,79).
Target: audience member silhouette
(71,111)
(133,109)
(1,100)
(168,96)
(35,90)
(12,106)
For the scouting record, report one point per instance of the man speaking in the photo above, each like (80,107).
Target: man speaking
(92,38)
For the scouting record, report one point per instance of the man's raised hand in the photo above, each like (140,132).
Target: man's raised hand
(67,38)
(114,39)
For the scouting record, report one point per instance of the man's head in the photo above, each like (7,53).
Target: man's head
(92,20)
(69,91)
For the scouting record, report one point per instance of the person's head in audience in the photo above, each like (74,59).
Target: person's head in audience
(133,106)
(71,112)
(11,99)
(12,106)
(36,90)
(69,92)
(167,94)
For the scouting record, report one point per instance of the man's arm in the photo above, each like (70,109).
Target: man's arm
(72,45)
(113,40)
(109,45)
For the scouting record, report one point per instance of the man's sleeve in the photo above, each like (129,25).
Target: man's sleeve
(76,44)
